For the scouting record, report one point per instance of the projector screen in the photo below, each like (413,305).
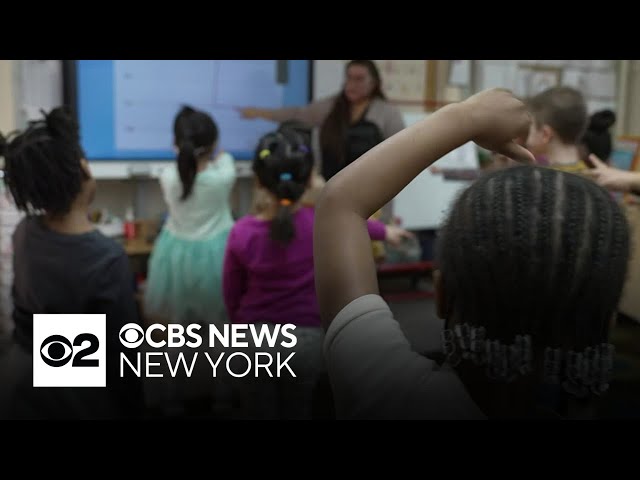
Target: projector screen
(126,108)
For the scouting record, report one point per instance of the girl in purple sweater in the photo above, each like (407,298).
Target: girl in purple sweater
(268,275)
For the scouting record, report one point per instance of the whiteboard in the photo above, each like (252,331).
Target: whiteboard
(40,88)
(328,76)
(126,108)
(425,202)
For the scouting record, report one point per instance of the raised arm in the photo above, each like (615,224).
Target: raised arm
(344,266)
(613,178)
(312,114)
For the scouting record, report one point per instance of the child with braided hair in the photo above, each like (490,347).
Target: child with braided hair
(531,264)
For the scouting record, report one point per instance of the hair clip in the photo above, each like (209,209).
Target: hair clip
(463,334)
(515,360)
(552,365)
(264,153)
(605,368)
(573,366)
(577,373)
(477,339)
(449,347)
(494,358)
(591,365)
(286,176)
(574,382)
(527,355)
(285,202)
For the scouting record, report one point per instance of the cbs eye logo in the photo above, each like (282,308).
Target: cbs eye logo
(131,335)
(69,350)
(57,350)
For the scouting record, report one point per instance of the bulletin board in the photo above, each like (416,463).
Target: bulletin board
(626,156)
(404,80)
(411,85)
(596,79)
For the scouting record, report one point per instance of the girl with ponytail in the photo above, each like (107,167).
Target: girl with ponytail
(597,140)
(269,273)
(185,268)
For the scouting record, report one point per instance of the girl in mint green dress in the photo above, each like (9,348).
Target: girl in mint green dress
(185,269)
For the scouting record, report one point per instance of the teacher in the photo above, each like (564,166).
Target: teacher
(351,122)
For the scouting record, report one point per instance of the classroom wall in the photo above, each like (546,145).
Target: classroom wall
(28,85)
(597,79)
(145,197)
(631,117)
(404,81)
(7,104)
(45,90)
(40,83)
(8,216)
(454,80)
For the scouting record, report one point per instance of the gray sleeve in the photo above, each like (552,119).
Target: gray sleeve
(393,121)
(372,367)
(313,114)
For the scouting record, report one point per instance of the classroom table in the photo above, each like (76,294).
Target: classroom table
(412,271)
(138,250)
(137,247)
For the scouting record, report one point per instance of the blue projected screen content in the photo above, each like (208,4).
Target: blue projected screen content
(126,108)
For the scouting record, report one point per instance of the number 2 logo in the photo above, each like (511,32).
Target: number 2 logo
(56,350)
